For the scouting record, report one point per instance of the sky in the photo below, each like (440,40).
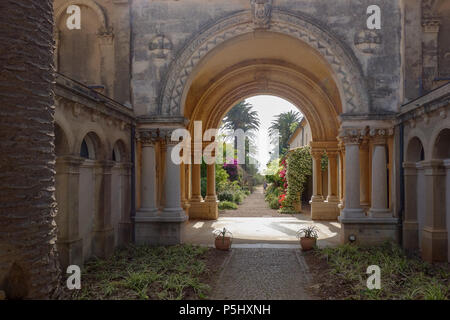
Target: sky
(267,107)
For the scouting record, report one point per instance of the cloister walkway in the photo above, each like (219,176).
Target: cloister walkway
(255,225)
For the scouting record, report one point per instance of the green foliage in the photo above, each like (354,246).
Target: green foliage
(143,272)
(299,167)
(272,194)
(227,205)
(402,277)
(225,196)
(285,123)
(238,197)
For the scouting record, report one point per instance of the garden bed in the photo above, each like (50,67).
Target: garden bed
(340,273)
(151,273)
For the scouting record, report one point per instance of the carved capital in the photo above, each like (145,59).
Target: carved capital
(380,135)
(105,36)
(352,135)
(431,25)
(148,137)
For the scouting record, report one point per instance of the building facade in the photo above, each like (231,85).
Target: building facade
(138,70)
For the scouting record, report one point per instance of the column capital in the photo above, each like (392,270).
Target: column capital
(148,138)
(69,160)
(350,136)
(379,135)
(431,25)
(410,168)
(433,167)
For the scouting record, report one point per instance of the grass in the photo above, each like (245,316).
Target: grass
(142,272)
(402,277)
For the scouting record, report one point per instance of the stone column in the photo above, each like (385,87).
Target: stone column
(447,205)
(364,173)
(148,177)
(410,223)
(379,206)
(317,176)
(70,245)
(211,183)
(196,183)
(332,177)
(103,232)
(352,139)
(125,224)
(342,171)
(434,233)
(172,184)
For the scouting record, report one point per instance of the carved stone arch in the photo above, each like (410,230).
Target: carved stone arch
(347,71)
(88,3)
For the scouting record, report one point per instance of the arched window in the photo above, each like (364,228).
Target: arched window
(415,151)
(89,146)
(119,152)
(442,145)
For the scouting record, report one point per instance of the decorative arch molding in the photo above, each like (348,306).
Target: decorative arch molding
(274,79)
(102,147)
(434,137)
(88,3)
(347,71)
(420,135)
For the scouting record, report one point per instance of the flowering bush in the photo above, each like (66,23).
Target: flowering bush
(298,164)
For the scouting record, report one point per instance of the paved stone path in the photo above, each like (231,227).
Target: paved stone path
(252,274)
(255,206)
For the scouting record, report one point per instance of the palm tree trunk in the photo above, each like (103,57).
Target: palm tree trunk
(28,259)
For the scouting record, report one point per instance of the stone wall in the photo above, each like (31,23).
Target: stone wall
(163,28)
(93,169)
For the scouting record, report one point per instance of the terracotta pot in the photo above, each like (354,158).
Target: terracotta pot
(307,243)
(223,243)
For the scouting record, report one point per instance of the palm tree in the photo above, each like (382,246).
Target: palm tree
(28,265)
(242,116)
(285,124)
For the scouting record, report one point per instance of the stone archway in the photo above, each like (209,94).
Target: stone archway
(347,72)
(292,57)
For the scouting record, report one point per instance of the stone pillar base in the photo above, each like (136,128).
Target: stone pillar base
(380,213)
(205,210)
(160,230)
(368,231)
(103,243)
(324,210)
(410,235)
(316,199)
(352,214)
(434,245)
(70,252)
(125,233)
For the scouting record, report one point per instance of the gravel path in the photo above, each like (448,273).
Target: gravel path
(260,274)
(255,206)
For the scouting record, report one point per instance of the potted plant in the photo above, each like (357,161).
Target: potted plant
(308,237)
(223,239)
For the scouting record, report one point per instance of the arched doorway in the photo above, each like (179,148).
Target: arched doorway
(293,59)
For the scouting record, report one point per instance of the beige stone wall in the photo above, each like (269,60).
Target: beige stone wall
(93,194)
(99,53)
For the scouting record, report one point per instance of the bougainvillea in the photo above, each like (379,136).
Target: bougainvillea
(298,164)
(231,168)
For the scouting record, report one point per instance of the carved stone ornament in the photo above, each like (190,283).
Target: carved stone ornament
(148,137)
(368,41)
(160,46)
(352,135)
(261,13)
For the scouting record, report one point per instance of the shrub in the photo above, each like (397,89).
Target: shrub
(238,197)
(226,196)
(227,205)
(273,203)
